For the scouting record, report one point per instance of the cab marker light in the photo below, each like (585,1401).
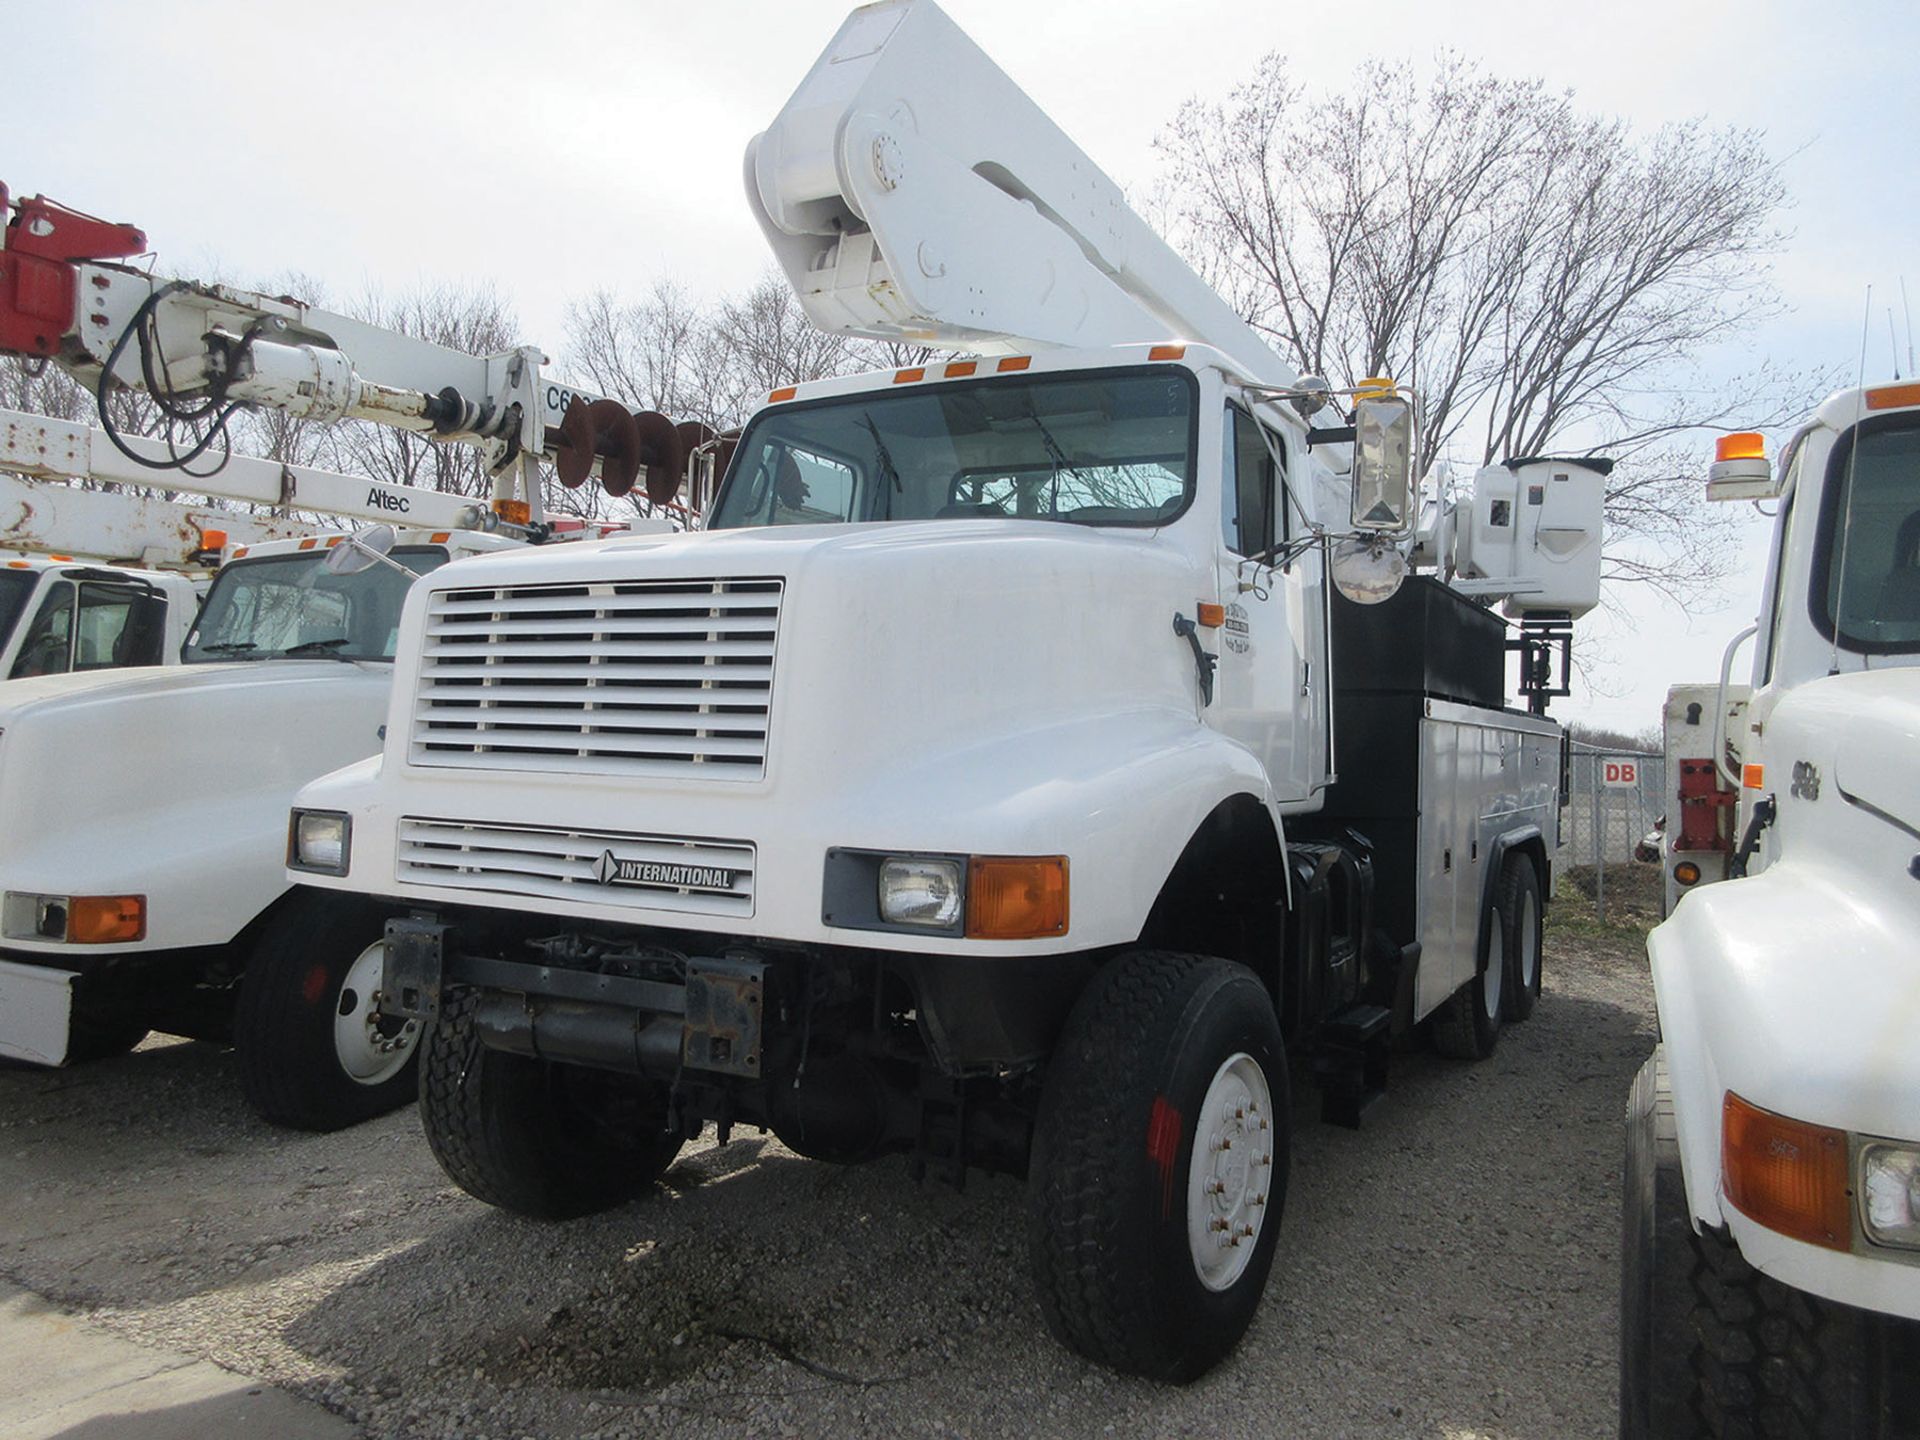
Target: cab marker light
(1014,362)
(1166,352)
(1753,777)
(1892,397)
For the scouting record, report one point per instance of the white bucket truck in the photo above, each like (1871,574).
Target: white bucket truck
(1771,1263)
(968,788)
(142,858)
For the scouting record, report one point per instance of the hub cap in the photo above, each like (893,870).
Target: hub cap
(370,1046)
(1529,945)
(1230,1178)
(1494,981)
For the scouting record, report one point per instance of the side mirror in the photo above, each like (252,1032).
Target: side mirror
(1383,463)
(363,550)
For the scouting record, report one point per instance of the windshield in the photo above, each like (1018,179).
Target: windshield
(1867,555)
(15,587)
(1103,447)
(283,605)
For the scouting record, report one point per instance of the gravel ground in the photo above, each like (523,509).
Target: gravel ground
(1450,1271)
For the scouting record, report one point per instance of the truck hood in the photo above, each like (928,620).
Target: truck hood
(108,779)
(1864,728)
(896,643)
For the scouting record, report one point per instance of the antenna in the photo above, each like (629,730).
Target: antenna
(1909,313)
(1846,521)
(1893,343)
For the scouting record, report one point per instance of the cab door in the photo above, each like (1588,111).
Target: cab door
(1271,684)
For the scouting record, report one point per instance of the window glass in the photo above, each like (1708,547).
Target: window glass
(48,646)
(290,605)
(1866,583)
(16,589)
(117,625)
(1107,447)
(1260,520)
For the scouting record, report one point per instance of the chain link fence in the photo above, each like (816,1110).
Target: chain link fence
(1614,798)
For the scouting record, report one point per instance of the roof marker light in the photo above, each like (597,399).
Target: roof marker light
(909,375)
(1014,362)
(785,392)
(1166,352)
(959,369)
(1892,397)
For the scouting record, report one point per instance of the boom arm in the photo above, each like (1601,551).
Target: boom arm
(62,299)
(911,190)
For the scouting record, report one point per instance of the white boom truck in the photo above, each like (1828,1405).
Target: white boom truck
(967,788)
(142,877)
(1771,1262)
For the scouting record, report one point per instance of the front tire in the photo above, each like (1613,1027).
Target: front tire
(1159,1164)
(549,1141)
(1710,1347)
(316,1052)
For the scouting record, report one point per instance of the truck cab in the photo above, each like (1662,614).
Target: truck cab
(1774,1137)
(59,615)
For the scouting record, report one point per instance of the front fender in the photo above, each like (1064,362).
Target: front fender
(1799,990)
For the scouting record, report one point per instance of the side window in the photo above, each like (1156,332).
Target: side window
(1260,520)
(117,625)
(48,648)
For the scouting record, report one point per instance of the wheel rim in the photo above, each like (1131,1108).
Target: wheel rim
(1529,944)
(1494,978)
(1230,1178)
(370,1047)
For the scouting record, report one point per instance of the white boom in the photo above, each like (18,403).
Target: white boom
(115,525)
(911,190)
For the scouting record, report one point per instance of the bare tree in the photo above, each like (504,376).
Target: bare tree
(1541,277)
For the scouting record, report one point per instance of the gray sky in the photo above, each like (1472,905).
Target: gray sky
(551,150)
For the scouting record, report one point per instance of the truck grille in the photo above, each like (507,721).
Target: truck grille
(601,867)
(661,677)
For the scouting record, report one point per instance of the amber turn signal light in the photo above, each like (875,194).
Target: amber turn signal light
(104,919)
(1786,1174)
(1016,897)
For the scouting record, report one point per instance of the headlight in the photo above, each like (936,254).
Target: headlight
(76,919)
(920,892)
(1890,1186)
(321,841)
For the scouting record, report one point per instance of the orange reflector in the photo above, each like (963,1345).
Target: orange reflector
(909,375)
(1742,445)
(333,540)
(1687,873)
(439,537)
(1016,898)
(1786,1174)
(66,558)
(1015,362)
(1892,397)
(514,512)
(785,392)
(99,919)
(213,539)
(238,553)
(309,542)
(1753,777)
(1166,352)
(958,369)
(18,565)
(1212,616)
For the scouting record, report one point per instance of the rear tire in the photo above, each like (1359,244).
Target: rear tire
(315,1051)
(1151,1235)
(1520,906)
(544,1140)
(1467,1024)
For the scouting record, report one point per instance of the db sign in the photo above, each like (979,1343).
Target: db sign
(1620,774)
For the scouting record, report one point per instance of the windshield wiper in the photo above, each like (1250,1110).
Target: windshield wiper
(229,647)
(886,466)
(1060,461)
(316,647)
